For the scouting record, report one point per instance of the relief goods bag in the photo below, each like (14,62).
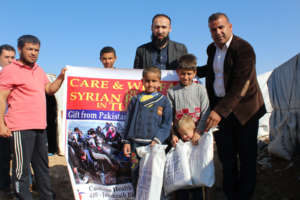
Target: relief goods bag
(190,166)
(151,170)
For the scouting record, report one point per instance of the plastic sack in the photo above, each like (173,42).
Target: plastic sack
(202,161)
(151,171)
(177,174)
(196,159)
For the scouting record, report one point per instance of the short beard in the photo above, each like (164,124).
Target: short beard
(157,43)
(26,62)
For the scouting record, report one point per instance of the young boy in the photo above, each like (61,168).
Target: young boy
(108,57)
(149,118)
(188,98)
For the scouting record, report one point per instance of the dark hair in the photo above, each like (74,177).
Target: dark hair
(187,62)
(107,50)
(6,47)
(216,16)
(27,39)
(161,15)
(152,69)
(91,131)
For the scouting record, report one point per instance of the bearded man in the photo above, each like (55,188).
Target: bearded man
(161,51)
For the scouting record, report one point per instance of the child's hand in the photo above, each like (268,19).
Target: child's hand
(174,140)
(153,143)
(195,138)
(127,150)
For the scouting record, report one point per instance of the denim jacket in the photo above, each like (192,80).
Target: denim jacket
(149,120)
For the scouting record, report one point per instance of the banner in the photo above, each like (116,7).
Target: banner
(95,102)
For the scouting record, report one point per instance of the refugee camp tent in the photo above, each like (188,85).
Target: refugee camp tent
(263,130)
(284,84)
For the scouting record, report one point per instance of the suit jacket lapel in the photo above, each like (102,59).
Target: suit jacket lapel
(211,61)
(227,68)
(148,56)
(228,62)
(171,51)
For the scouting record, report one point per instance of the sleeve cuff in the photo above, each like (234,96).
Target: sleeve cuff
(156,140)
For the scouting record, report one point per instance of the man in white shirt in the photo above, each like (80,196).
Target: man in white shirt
(236,105)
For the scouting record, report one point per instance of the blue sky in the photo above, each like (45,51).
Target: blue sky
(73,32)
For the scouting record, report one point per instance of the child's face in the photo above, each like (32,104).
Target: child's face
(186,133)
(151,82)
(186,76)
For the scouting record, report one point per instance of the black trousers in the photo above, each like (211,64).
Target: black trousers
(31,146)
(189,194)
(237,150)
(135,162)
(4,163)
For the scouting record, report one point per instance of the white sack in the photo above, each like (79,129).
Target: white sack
(151,170)
(177,174)
(196,162)
(202,161)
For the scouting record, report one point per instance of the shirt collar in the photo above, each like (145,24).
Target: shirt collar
(227,44)
(153,93)
(193,83)
(166,47)
(25,66)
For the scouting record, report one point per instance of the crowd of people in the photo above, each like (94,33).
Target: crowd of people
(231,100)
(95,156)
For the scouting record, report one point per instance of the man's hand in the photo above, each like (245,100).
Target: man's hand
(51,88)
(195,138)
(127,150)
(153,143)
(213,120)
(174,140)
(4,131)
(62,73)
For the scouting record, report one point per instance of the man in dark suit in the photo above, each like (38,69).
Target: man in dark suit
(236,105)
(161,51)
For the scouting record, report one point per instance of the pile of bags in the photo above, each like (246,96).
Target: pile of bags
(186,166)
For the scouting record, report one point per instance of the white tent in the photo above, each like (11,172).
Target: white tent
(284,84)
(263,130)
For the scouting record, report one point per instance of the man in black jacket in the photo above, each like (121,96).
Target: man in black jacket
(161,51)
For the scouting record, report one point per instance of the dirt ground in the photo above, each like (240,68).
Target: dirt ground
(277,179)
(60,178)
